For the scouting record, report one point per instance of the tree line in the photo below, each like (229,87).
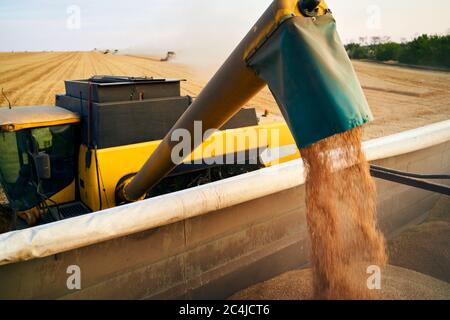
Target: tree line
(426,50)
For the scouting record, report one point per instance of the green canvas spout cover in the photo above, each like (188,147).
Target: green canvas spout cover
(312,79)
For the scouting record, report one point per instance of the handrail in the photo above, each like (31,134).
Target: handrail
(129,219)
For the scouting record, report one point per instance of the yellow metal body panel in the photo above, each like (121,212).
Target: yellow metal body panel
(19,118)
(64,196)
(116,163)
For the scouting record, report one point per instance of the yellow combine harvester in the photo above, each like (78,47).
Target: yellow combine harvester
(60,162)
(112,140)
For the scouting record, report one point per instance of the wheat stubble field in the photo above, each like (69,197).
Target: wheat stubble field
(400,98)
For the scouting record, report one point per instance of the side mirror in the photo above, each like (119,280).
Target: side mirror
(42,163)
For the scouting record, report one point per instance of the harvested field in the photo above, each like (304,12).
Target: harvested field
(400,98)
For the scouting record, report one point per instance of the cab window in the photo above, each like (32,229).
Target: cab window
(17,171)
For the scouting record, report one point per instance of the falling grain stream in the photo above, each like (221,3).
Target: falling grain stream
(341,216)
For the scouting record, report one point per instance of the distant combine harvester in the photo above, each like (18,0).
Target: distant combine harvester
(170,55)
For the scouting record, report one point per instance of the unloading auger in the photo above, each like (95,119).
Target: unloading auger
(295,50)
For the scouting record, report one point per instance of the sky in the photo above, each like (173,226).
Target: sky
(192,27)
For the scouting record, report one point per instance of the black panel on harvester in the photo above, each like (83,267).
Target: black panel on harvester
(128,120)
(114,89)
(121,123)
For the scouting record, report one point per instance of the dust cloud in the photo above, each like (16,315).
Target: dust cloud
(203,33)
